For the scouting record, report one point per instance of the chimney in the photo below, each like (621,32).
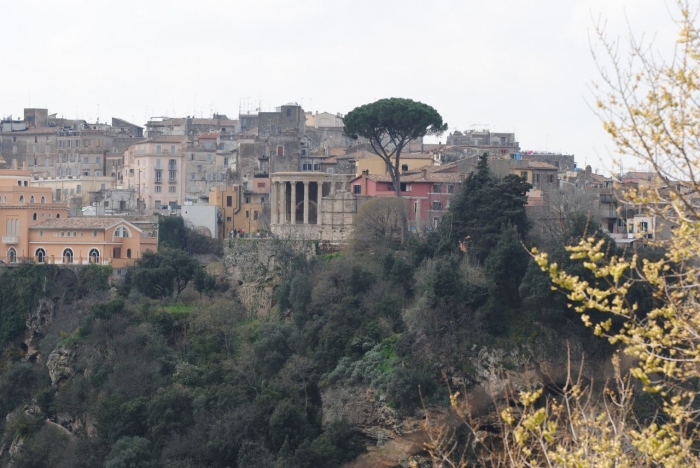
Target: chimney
(424,173)
(14,164)
(24,165)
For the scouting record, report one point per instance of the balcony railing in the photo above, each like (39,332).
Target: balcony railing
(10,239)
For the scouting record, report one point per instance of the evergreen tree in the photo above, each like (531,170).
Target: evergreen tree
(484,205)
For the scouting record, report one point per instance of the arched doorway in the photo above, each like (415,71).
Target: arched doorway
(94,256)
(12,255)
(40,255)
(128,253)
(68,256)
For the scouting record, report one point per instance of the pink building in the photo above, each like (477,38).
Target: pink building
(427,191)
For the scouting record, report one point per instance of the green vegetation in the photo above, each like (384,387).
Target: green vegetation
(175,370)
(391,124)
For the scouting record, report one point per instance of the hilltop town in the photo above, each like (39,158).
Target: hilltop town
(288,173)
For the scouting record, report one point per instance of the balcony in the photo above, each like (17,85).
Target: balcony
(10,239)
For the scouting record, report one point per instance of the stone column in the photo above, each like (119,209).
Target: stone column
(319,197)
(306,202)
(283,204)
(293,206)
(274,209)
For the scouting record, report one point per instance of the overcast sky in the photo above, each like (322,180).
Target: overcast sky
(516,65)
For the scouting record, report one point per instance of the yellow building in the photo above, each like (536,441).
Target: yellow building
(368,161)
(239,209)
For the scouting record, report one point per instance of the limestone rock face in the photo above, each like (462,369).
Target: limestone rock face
(59,364)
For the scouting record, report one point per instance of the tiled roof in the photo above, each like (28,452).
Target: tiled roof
(541,165)
(80,222)
(209,135)
(430,177)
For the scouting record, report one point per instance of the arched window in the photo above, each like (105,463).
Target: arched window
(34,216)
(58,215)
(122,232)
(21,198)
(11,255)
(40,255)
(128,253)
(31,199)
(67,256)
(43,199)
(94,256)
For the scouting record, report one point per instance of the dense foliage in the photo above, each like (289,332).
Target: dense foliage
(175,370)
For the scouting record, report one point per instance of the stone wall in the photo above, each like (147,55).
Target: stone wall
(254,267)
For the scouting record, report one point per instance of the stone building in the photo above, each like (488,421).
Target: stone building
(204,168)
(311,205)
(155,168)
(479,140)
(53,146)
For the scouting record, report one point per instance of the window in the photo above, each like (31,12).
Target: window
(159,149)
(159,176)
(98,173)
(12,255)
(172,165)
(229,200)
(31,199)
(437,206)
(94,233)
(207,144)
(67,256)
(523,174)
(437,188)
(21,198)
(317,167)
(41,233)
(450,188)
(158,188)
(86,160)
(171,189)
(78,189)
(404,167)
(329,170)
(247,199)
(550,177)
(247,214)
(171,177)
(94,255)
(536,177)
(228,219)
(172,150)
(58,215)
(404,187)
(289,112)
(280,150)
(122,232)
(306,167)
(255,215)
(357,189)
(128,253)
(40,255)
(98,160)
(208,176)
(193,175)
(34,217)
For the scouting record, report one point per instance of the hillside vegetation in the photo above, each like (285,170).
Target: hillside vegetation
(172,370)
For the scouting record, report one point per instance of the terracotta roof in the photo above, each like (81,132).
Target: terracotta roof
(430,177)
(80,222)
(541,165)
(639,175)
(209,135)
(336,151)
